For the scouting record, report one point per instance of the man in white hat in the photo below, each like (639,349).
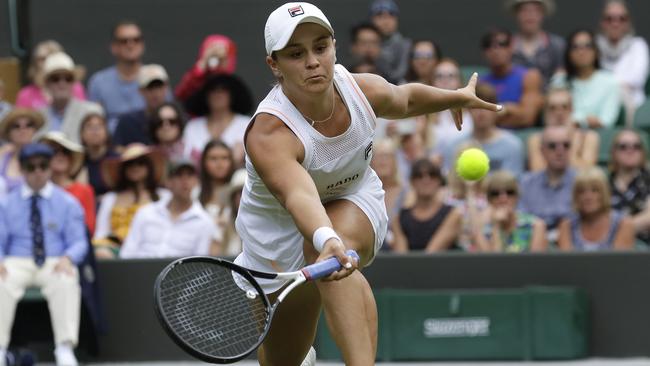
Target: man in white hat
(64,112)
(153,84)
(533,46)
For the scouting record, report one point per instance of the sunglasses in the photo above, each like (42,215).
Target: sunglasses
(21,126)
(556,145)
(423,55)
(446,76)
(582,46)
(136,162)
(559,107)
(57,78)
(168,121)
(31,167)
(493,193)
(629,147)
(420,175)
(126,40)
(498,44)
(616,18)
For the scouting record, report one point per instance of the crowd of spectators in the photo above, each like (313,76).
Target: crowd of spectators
(129,166)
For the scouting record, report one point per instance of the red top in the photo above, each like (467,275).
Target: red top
(86,196)
(194,78)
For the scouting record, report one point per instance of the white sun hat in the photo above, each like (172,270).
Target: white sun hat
(284,20)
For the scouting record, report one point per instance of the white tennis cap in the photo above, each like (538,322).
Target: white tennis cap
(284,20)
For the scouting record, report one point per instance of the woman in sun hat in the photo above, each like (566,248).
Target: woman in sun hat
(18,128)
(134,178)
(68,172)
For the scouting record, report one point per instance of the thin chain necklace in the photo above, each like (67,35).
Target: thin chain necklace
(328,118)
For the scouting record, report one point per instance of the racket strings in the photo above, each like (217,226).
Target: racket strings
(213,310)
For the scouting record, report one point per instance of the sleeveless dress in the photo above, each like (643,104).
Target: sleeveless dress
(339,167)
(583,245)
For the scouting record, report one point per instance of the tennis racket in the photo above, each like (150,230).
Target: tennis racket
(216,311)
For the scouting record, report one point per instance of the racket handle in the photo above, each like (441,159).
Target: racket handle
(327,267)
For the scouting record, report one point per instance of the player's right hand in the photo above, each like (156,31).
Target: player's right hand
(335,248)
(3,271)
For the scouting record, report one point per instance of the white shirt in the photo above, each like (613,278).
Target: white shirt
(631,69)
(196,134)
(154,234)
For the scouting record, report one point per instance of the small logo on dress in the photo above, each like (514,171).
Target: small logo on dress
(368,151)
(296,10)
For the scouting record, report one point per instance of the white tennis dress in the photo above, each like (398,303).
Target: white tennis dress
(339,167)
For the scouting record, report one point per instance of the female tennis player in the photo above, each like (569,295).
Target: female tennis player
(310,193)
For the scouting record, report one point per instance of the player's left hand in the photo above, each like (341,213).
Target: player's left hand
(335,248)
(472,101)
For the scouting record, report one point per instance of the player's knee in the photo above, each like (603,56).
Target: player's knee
(365,250)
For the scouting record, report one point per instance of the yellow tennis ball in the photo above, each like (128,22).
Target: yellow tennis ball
(472,164)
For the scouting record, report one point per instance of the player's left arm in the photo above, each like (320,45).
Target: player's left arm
(413,99)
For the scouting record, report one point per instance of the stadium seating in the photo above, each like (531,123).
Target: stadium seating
(642,117)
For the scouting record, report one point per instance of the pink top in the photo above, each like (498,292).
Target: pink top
(32,96)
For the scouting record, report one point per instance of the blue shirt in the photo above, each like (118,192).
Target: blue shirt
(55,118)
(509,88)
(63,223)
(117,96)
(550,203)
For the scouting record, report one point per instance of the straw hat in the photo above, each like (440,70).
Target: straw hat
(76,151)
(110,168)
(549,5)
(60,62)
(17,113)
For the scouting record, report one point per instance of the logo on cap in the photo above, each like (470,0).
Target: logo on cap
(295,11)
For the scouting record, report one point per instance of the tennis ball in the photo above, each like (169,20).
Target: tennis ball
(472,164)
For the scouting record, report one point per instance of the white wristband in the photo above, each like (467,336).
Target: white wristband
(321,235)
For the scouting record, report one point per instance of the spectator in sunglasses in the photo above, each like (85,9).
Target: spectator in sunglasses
(429,225)
(440,130)
(595,225)
(42,241)
(166,127)
(559,112)
(35,95)
(518,88)
(507,229)
(135,179)
(116,87)
(68,172)
(533,46)
(64,112)
(596,94)
(17,128)
(548,191)
(623,53)
(629,181)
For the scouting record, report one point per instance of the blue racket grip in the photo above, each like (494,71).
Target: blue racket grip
(327,267)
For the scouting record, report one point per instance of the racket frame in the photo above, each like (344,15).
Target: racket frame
(270,309)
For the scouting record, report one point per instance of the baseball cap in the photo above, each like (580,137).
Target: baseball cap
(151,73)
(284,20)
(381,6)
(35,149)
(175,167)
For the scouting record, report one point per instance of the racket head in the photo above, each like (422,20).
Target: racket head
(206,312)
